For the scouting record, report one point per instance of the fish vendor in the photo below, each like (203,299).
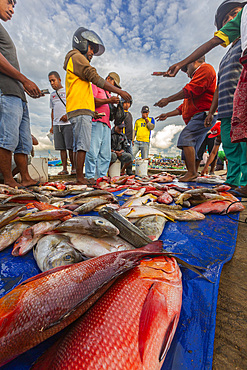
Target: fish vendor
(15,134)
(80,104)
(119,145)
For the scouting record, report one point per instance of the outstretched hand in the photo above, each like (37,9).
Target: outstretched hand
(162,117)
(172,71)
(162,103)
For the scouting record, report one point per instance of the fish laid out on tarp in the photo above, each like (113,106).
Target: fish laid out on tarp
(218,206)
(10,215)
(89,206)
(54,251)
(45,304)
(130,327)
(181,215)
(152,226)
(31,236)
(139,211)
(11,232)
(88,225)
(127,230)
(47,215)
(139,201)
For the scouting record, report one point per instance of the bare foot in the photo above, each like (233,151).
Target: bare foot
(188,177)
(30,183)
(13,184)
(82,181)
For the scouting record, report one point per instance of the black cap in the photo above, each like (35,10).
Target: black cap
(224,8)
(145,109)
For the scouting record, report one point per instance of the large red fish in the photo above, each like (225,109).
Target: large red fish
(218,206)
(130,328)
(46,303)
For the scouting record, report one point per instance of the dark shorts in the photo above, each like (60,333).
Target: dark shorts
(63,137)
(125,157)
(194,133)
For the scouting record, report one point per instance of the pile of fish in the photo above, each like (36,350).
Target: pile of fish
(81,256)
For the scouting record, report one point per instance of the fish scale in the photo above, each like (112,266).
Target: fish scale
(38,308)
(113,334)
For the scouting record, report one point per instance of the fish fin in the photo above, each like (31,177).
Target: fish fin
(45,273)
(169,334)
(193,268)
(153,305)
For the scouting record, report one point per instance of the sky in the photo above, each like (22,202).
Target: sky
(140,36)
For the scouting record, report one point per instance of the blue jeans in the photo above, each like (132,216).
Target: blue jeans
(98,157)
(15,133)
(143,147)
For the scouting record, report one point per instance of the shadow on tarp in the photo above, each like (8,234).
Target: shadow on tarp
(210,242)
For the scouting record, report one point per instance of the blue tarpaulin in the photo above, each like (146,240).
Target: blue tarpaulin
(208,243)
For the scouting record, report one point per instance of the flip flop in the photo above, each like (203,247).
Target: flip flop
(73,172)
(63,173)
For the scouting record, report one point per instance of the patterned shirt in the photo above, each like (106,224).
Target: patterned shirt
(229,72)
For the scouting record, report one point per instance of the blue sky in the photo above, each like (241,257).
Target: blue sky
(140,36)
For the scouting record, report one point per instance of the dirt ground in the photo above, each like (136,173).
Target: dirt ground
(230,346)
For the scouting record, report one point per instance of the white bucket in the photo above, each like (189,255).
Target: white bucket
(115,169)
(38,169)
(141,167)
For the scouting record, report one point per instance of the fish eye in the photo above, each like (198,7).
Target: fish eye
(67,257)
(99,222)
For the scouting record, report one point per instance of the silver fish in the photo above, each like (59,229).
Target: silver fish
(90,246)
(152,226)
(88,225)
(9,215)
(10,233)
(54,251)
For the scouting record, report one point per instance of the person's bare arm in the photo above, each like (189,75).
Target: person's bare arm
(124,94)
(30,87)
(198,53)
(212,109)
(110,100)
(165,101)
(164,116)
(52,117)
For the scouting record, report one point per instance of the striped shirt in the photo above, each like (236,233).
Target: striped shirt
(229,72)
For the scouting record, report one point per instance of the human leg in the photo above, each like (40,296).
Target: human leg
(136,148)
(129,150)
(233,152)
(64,158)
(92,154)
(189,153)
(67,132)
(82,137)
(104,157)
(126,160)
(144,150)
(24,148)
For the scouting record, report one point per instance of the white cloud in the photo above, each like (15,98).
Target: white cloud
(163,139)
(140,36)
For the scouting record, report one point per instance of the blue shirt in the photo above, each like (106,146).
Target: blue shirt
(229,72)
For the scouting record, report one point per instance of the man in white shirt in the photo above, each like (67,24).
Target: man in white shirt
(61,127)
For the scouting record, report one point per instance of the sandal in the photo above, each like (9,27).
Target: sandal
(73,172)
(63,172)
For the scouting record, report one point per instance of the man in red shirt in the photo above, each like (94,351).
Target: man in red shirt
(197,95)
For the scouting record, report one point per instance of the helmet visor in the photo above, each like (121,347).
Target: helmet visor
(92,37)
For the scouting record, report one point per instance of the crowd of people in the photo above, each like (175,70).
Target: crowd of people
(91,127)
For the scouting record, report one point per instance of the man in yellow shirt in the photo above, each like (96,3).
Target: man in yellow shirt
(142,133)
